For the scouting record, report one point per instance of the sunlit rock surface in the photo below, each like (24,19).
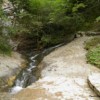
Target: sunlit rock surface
(10,66)
(64,75)
(94,82)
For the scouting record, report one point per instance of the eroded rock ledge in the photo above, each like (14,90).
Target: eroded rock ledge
(94,82)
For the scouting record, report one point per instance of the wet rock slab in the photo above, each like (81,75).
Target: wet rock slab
(94,82)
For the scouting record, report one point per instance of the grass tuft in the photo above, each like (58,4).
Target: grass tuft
(93,55)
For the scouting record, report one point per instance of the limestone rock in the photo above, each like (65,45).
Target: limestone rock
(64,75)
(10,66)
(94,82)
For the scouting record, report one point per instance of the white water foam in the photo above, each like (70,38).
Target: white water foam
(16,89)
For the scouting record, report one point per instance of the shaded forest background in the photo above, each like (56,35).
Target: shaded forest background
(37,24)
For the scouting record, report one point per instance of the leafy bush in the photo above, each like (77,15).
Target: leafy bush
(98,19)
(92,43)
(93,56)
(48,21)
(5,32)
(5,48)
(40,19)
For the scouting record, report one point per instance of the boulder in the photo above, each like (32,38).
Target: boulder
(94,82)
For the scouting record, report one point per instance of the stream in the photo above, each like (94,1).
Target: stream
(27,76)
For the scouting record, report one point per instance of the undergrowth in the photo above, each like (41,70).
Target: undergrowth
(92,43)
(93,55)
(5,48)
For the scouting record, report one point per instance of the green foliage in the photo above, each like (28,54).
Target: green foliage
(77,7)
(5,48)
(92,43)
(98,19)
(51,21)
(92,10)
(93,56)
(48,21)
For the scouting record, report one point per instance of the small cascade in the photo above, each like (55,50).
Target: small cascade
(26,77)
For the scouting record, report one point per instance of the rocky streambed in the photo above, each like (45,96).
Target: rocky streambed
(21,77)
(64,75)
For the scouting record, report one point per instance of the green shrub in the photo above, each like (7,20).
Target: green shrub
(93,56)
(5,48)
(98,19)
(92,43)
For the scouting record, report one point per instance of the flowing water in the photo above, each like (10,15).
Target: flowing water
(26,77)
